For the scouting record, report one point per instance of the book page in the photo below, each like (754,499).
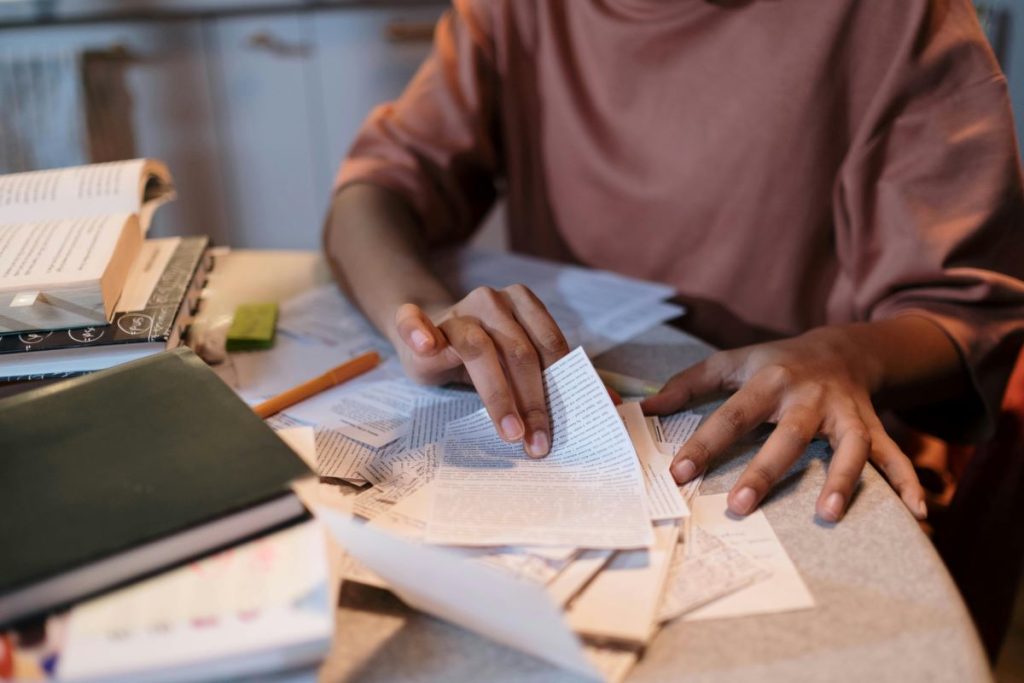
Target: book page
(145,273)
(374,414)
(678,428)
(57,254)
(588,492)
(664,499)
(77,192)
(753,536)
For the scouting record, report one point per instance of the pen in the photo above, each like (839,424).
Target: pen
(628,386)
(331,378)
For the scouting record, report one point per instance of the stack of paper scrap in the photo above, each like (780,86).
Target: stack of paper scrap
(576,558)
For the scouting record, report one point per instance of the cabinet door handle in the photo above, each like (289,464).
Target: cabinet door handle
(401,31)
(262,40)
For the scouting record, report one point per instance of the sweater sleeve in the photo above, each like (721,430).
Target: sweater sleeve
(436,145)
(931,210)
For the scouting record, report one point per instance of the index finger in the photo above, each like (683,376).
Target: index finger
(706,377)
(533,316)
(742,412)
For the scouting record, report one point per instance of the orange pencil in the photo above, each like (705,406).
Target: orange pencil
(331,378)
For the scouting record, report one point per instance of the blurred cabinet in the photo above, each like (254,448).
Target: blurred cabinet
(290,92)
(366,57)
(253,111)
(263,93)
(164,67)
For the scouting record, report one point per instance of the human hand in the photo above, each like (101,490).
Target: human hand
(818,382)
(499,341)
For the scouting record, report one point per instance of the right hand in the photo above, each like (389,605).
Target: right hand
(499,341)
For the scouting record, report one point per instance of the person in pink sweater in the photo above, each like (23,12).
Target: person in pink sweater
(833,188)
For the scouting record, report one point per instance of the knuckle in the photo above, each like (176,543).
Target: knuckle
(553,342)
(696,449)
(495,397)
(521,354)
(734,419)
(793,432)
(518,290)
(718,363)
(475,343)
(858,433)
(483,294)
(813,394)
(535,416)
(762,473)
(778,375)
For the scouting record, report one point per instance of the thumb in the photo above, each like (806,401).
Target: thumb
(418,332)
(695,381)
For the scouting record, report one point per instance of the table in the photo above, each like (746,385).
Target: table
(887,609)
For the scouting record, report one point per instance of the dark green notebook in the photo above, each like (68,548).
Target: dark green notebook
(110,476)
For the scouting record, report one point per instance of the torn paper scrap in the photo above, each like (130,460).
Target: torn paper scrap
(588,492)
(664,499)
(374,414)
(709,569)
(753,536)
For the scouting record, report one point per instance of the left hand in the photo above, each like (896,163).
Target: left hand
(818,382)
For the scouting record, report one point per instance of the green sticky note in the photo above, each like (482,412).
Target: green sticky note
(253,327)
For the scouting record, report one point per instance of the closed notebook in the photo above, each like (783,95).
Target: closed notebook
(111,476)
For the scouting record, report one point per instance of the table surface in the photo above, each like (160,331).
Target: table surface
(886,608)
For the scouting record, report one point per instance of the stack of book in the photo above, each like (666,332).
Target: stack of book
(81,287)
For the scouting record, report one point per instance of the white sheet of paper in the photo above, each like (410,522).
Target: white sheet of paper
(316,331)
(595,309)
(374,414)
(753,536)
(324,315)
(704,572)
(664,498)
(292,361)
(516,613)
(588,492)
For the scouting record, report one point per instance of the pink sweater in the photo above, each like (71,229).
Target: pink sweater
(789,163)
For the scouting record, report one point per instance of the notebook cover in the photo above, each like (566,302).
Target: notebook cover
(104,462)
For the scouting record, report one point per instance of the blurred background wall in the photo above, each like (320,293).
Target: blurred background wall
(251,102)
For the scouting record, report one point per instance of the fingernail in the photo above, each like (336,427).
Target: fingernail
(538,446)
(511,427)
(833,507)
(420,340)
(922,510)
(743,502)
(684,471)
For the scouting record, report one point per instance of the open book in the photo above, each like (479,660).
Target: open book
(68,238)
